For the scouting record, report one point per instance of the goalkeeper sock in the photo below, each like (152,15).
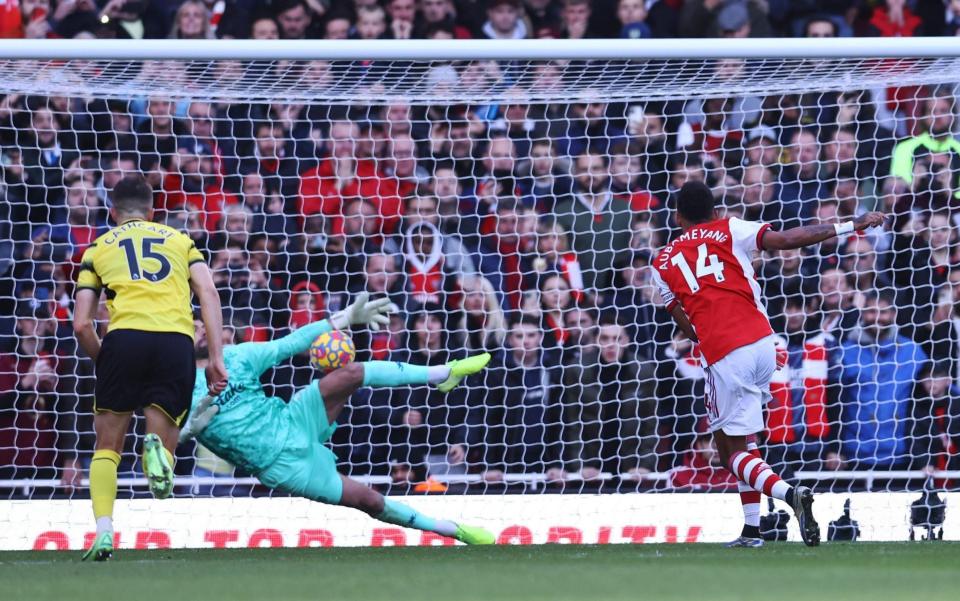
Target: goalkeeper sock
(400,514)
(387,374)
(103,487)
(753,470)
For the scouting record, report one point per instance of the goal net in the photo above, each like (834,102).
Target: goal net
(503,204)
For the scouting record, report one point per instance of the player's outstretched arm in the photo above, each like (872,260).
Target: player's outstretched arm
(261,356)
(806,235)
(84,328)
(201,282)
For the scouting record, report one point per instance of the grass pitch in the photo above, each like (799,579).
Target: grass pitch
(868,571)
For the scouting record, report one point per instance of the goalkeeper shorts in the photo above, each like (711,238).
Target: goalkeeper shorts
(306,467)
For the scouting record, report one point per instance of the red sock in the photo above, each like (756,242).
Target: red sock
(751,469)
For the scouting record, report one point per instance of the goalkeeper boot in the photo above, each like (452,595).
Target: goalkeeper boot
(157,467)
(462,368)
(803,508)
(101,549)
(745,542)
(474,535)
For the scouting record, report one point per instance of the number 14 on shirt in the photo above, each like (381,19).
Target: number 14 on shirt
(707,264)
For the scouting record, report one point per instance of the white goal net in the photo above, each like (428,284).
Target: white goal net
(509,205)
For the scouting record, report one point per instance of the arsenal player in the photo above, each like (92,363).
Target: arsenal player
(706,281)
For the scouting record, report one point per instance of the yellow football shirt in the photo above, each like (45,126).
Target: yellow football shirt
(144,267)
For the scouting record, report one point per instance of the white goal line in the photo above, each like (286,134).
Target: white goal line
(436,50)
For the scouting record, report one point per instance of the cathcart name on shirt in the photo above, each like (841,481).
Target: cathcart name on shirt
(694,234)
(140,225)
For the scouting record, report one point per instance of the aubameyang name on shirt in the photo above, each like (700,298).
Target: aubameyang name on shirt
(147,226)
(697,233)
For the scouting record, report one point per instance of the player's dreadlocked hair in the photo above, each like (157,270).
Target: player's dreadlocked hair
(695,202)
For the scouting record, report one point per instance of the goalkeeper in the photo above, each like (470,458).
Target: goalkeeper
(283,443)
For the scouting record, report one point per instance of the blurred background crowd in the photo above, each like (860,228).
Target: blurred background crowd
(519,228)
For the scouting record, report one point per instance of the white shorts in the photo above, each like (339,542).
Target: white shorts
(738,386)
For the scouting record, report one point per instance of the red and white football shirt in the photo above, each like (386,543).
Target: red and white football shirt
(708,271)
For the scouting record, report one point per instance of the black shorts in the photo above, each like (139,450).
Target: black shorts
(136,369)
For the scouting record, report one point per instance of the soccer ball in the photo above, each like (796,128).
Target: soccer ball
(331,350)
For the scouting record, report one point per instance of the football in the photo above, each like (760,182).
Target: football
(331,350)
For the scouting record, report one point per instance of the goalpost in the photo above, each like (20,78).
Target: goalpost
(497,192)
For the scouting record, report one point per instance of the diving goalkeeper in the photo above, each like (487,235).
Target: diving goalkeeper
(283,443)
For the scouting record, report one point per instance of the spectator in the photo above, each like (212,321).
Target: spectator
(342,259)
(505,249)
(632,302)
(934,420)
(820,26)
(598,221)
(838,311)
(860,261)
(544,17)
(800,183)
(482,325)
(156,136)
(428,272)
(243,285)
(587,129)
(422,209)
(923,255)
(337,27)
(195,184)
(429,427)
(295,19)
(517,400)
(648,140)
(266,205)
(441,14)
(192,22)
(702,469)
(878,370)
(504,22)
(85,221)
(546,181)
(726,18)
(402,18)
(801,419)
(555,301)
(632,15)
(371,22)
(264,28)
(555,256)
(610,409)
(46,155)
(341,177)
(272,156)
(937,138)
(497,179)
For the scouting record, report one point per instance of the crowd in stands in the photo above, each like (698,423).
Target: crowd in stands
(525,230)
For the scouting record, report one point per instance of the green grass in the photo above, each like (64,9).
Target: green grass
(781,572)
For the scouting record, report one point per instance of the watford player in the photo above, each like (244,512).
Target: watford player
(146,359)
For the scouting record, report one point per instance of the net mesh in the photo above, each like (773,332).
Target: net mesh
(512,207)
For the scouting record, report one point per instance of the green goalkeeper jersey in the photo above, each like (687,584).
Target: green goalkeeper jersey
(250,428)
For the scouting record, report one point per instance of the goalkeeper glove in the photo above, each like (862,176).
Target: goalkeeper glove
(372,313)
(199,418)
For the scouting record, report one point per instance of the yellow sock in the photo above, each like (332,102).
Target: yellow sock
(103,482)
